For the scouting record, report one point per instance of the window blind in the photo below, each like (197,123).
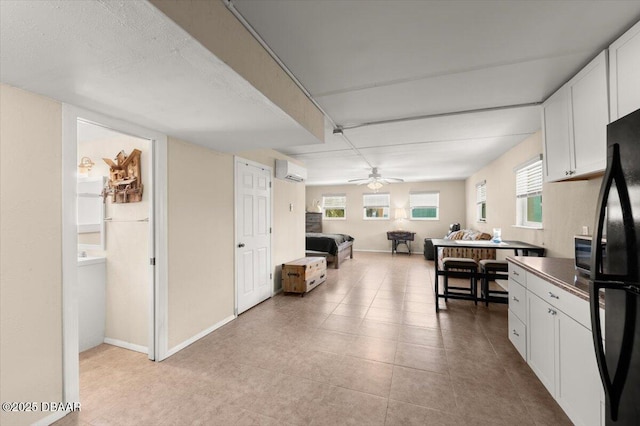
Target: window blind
(376,200)
(334,201)
(423,199)
(529,180)
(481,192)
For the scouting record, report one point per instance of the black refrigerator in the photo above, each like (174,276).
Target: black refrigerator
(616,271)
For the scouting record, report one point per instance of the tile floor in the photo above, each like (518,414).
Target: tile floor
(364,348)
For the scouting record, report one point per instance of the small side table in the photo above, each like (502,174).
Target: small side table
(400,237)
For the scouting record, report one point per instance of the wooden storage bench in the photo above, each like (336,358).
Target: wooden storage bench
(303,275)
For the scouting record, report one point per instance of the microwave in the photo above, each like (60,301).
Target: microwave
(582,253)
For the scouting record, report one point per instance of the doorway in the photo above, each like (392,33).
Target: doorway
(129,235)
(253,234)
(115,239)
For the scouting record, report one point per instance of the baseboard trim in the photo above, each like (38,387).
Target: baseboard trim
(127,345)
(198,336)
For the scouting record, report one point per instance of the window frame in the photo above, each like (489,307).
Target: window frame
(481,201)
(337,207)
(529,186)
(412,207)
(387,206)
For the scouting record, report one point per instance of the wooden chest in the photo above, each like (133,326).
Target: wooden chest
(303,275)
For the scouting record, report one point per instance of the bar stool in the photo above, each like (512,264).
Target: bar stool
(493,270)
(460,267)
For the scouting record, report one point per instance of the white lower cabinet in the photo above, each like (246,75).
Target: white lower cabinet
(518,334)
(557,346)
(578,388)
(541,341)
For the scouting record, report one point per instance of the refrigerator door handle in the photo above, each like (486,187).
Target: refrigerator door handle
(614,174)
(596,242)
(613,388)
(596,332)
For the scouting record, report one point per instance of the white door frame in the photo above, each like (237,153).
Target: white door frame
(236,161)
(158,343)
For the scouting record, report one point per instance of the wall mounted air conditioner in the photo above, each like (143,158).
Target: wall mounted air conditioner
(290,171)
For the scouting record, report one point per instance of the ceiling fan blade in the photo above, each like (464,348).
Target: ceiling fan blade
(393,179)
(358,180)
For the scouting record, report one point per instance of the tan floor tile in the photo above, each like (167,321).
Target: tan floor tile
(346,406)
(361,300)
(482,401)
(355,311)
(331,341)
(424,388)
(391,304)
(419,307)
(379,329)
(373,348)
(403,414)
(421,358)
(341,323)
(313,365)
(417,319)
(390,294)
(420,298)
(421,336)
(384,315)
(363,375)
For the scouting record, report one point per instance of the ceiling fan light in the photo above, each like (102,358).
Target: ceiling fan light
(375,185)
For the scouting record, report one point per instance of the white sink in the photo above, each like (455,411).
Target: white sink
(91,260)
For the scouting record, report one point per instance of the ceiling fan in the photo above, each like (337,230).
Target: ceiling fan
(375,180)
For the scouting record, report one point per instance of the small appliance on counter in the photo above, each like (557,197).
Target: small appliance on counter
(616,269)
(582,253)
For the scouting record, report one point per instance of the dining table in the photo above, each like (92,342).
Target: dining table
(520,248)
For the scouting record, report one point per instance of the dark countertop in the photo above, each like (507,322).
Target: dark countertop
(558,271)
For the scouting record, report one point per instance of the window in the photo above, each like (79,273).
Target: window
(481,201)
(424,205)
(376,206)
(334,206)
(529,194)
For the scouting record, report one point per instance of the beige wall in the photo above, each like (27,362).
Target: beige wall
(200,217)
(30,251)
(566,206)
(221,33)
(371,234)
(288,226)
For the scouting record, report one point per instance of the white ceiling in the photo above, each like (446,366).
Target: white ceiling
(371,61)
(127,60)
(362,61)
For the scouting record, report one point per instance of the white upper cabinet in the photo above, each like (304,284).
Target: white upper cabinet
(624,71)
(555,134)
(589,115)
(574,121)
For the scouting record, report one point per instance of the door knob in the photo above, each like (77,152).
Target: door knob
(241,245)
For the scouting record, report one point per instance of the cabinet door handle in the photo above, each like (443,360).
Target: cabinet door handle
(566,172)
(240,245)
(516,333)
(516,274)
(553,296)
(552,311)
(515,299)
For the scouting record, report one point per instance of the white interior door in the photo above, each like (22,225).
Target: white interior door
(253,234)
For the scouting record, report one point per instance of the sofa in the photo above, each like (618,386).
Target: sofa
(476,254)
